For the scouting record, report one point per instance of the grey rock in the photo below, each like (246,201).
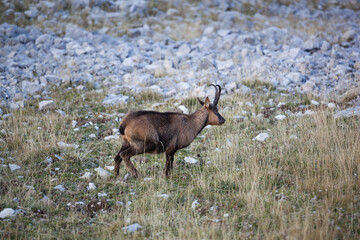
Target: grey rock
(43,39)
(46,105)
(208,30)
(31,88)
(224,32)
(325,46)
(348,112)
(231,86)
(79,4)
(245,90)
(205,64)
(349,35)
(183,50)
(296,77)
(172,12)
(112,99)
(57,53)
(357,65)
(52,79)
(223,65)
(32,12)
(284,81)
(312,43)
(308,86)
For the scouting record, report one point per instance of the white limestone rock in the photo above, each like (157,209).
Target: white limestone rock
(261,137)
(191,160)
(112,99)
(102,172)
(348,112)
(46,105)
(7,212)
(280,117)
(132,228)
(14,167)
(91,186)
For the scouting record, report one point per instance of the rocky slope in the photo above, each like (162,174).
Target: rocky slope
(177,48)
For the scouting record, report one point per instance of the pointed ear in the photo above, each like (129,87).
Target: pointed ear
(207,102)
(201,102)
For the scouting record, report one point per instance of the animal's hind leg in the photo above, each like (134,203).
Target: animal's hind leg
(126,155)
(118,158)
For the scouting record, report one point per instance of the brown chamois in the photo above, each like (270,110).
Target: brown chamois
(157,132)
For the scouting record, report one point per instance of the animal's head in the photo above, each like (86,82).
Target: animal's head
(214,116)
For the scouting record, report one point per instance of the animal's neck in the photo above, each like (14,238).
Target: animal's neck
(199,120)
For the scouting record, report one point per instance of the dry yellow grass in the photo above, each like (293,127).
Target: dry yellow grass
(301,183)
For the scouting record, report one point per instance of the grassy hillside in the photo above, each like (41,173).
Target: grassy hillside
(302,182)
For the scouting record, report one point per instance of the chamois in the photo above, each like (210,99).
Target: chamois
(157,132)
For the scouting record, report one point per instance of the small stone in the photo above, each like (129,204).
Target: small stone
(222,65)
(293,137)
(86,175)
(111,137)
(102,194)
(331,105)
(14,167)
(313,102)
(183,109)
(147,179)
(183,50)
(245,90)
(348,112)
(309,112)
(113,99)
(92,135)
(261,137)
(61,144)
(308,86)
(296,77)
(281,104)
(7,212)
(47,201)
(223,32)
(280,117)
(46,105)
(110,168)
(164,195)
(208,30)
(349,35)
(132,228)
(102,172)
(172,12)
(230,87)
(61,112)
(31,88)
(91,186)
(60,188)
(194,204)
(191,160)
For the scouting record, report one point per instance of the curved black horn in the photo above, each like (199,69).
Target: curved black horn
(216,94)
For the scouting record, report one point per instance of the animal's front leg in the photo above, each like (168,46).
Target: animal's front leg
(117,161)
(169,163)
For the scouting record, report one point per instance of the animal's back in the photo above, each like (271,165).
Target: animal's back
(150,124)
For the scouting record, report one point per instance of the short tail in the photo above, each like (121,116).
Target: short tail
(122,129)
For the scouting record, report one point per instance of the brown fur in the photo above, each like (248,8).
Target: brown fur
(157,132)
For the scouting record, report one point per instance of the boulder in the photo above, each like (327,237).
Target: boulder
(46,105)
